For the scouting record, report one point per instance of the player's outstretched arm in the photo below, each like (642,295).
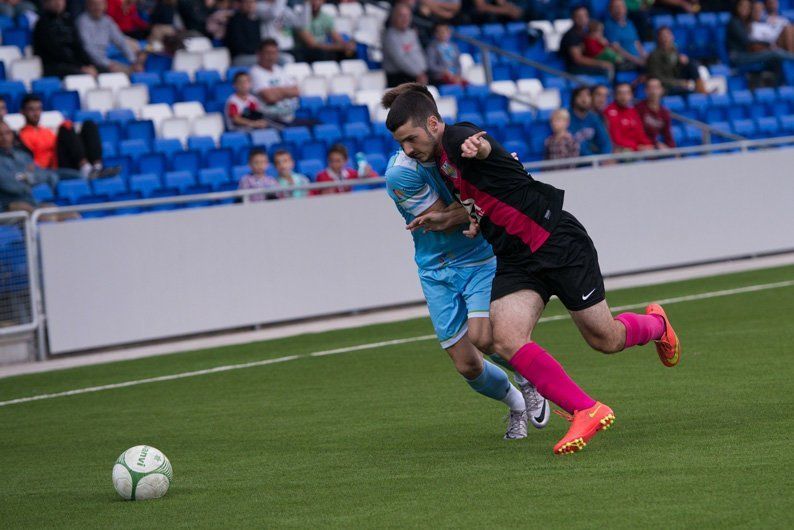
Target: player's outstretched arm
(440,218)
(475,146)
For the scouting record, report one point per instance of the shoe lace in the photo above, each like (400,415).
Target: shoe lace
(564,415)
(532,397)
(514,419)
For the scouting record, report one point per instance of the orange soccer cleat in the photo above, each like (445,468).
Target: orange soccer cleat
(668,347)
(584,425)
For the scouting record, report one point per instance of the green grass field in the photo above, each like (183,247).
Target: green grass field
(392,436)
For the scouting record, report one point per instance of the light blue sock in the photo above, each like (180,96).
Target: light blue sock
(519,379)
(492,382)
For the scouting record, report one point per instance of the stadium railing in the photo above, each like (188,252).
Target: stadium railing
(19,299)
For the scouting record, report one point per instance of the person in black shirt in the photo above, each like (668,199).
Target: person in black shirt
(57,41)
(243,34)
(541,250)
(572,47)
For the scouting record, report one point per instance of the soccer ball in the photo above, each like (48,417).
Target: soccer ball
(142,472)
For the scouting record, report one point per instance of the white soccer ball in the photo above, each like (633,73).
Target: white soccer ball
(142,472)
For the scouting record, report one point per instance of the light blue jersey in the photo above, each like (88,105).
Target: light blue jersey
(455,271)
(414,187)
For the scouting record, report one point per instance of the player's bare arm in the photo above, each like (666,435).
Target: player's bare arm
(476,146)
(440,218)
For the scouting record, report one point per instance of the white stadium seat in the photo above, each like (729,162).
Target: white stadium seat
(51,119)
(113,80)
(26,70)
(376,11)
(370,98)
(330,10)
(185,61)
(372,80)
(561,25)
(529,87)
(475,74)
(549,99)
(351,10)
(81,83)
(217,59)
(433,91)
(314,86)
(344,25)
(447,107)
(100,99)
(369,30)
(208,125)
(133,97)
(326,68)
(298,70)
(16,121)
(505,88)
(198,44)
(188,109)
(9,54)
(343,84)
(178,128)
(157,112)
(466,60)
(353,66)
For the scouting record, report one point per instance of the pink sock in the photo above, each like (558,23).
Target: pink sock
(543,371)
(641,329)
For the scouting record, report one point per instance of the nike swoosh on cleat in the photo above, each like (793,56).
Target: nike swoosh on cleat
(543,412)
(586,296)
(592,414)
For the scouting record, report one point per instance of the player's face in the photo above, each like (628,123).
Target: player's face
(419,143)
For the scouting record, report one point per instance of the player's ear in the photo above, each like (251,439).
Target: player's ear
(432,124)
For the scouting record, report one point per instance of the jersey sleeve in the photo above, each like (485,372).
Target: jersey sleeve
(409,190)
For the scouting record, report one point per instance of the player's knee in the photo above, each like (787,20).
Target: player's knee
(483,342)
(469,368)
(505,348)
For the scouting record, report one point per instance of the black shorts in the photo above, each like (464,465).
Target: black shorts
(566,265)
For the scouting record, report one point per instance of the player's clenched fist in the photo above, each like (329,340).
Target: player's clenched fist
(472,146)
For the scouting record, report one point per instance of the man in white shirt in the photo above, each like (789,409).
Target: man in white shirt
(277,89)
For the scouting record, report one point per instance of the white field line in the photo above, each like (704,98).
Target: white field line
(372,345)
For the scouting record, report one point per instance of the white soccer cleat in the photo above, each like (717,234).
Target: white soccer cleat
(538,410)
(516,425)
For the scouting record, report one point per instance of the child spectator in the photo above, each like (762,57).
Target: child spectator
(287,177)
(596,46)
(561,143)
(337,170)
(258,179)
(443,58)
(243,110)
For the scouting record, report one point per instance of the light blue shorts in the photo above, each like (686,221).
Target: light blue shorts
(456,294)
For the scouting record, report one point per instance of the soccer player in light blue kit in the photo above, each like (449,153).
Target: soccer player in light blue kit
(456,268)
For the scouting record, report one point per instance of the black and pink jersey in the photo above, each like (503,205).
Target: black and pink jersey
(516,212)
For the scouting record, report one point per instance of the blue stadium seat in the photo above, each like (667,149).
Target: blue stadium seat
(378,163)
(186,160)
(133,148)
(158,63)
(287,146)
(338,100)
(450,90)
(525,71)
(232,71)
(200,143)
(478,91)
(357,130)
(239,172)
(312,103)
(502,72)
(663,20)
(356,114)
(109,149)
(208,78)
(313,149)
(167,146)
(496,118)
(473,117)
(694,135)
(146,78)
(213,177)
(162,94)
(222,91)
(469,30)
(722,126)
(109,186)
(373,144)
(265,137)
(121,116)
(468,105)
(679,136)
(767,127)
(674,103)
(74,189)
(327,132)
(145,184)
(180,180)
(19,37)
(66,101)
(698,103)
(110,132)
(519,147)
(152,163)
(786,93)
(42,193)
(45,86)
(765,96)
(124,163)
(708,19)
(194,92)
(310,167)
(176,79)
(329,115)
(140,130)
(787,124)
(235,140)
(221,157)
(296,134)
(86,115)
(746,128)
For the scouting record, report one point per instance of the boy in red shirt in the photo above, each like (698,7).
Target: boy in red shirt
(243,110)
(624,123)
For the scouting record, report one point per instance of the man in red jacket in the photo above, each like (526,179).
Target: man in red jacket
(624,123)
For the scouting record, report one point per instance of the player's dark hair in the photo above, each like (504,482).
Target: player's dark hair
(267,42)
(339,148)
(575,94)
(237,76)
(29,98)
(281,152)
(412,103)
(619,84)
(256,152)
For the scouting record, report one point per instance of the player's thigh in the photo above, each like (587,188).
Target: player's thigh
(513,317)
(599,328)
(466,358)
(476,293)
(446,306)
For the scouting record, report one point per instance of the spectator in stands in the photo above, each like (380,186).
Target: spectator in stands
(71,154)
(624,123)
(440,11)
(318,41)
(243,110)
(587,127)
(678,73)
(218,20)
(98,31)
(18,175)
(194,14)
(57,42)
(273,86)
(680,6)
(656,119)
(125,14)
(773,30)
(403,57)
(279,19)
(491,11)
(600,97)
(337,170)
(443,58)
(743,50)
(258,178)
(596,46)
(623,35)
(14,8)
(561,143)
(287,177)
(243,34)
(572,47)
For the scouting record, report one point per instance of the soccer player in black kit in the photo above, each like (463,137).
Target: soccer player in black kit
(541,251)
